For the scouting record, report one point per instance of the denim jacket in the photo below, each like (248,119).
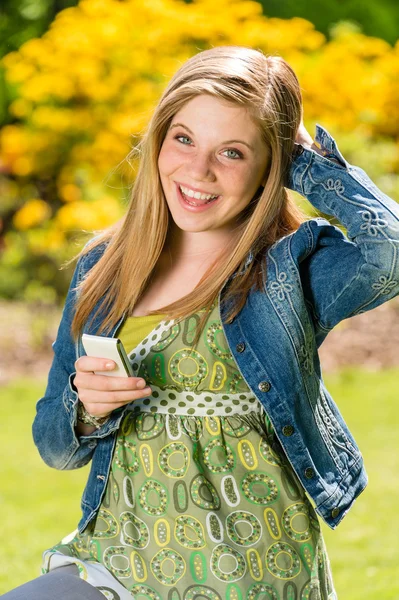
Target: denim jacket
(316,277)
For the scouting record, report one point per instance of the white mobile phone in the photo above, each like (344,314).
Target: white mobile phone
(105,347)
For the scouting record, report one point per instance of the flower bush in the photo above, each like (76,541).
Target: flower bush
(84,91)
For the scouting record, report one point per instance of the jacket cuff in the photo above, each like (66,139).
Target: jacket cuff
(328,145)
(329,155)
(70,398)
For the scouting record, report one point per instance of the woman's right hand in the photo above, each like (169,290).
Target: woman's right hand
(101,394)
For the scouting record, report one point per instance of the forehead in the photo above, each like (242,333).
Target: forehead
(208,114)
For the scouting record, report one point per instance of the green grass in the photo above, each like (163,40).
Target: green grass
(41,505)
(364,549)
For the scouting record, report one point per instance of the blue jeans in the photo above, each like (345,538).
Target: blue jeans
(60,584)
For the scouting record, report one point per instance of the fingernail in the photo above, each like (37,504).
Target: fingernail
(140,384)
(109,365)
(147,390)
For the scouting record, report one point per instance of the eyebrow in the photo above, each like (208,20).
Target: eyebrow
(226,142)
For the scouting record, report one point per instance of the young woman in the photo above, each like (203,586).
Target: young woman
(211,464)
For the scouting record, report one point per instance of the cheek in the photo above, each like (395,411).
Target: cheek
(254,178)
(168,160)
(246,182)
(162,162)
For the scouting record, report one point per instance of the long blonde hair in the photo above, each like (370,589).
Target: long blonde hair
(269,88)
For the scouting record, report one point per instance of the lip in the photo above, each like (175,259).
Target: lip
(189,207)
(193,188)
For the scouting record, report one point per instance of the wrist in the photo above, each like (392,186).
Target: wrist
(321,151)
(85,417)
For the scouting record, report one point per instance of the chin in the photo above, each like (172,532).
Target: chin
(194,228)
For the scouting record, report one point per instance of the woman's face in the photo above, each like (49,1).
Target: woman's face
(211,164)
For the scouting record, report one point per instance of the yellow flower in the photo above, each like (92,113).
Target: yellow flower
(22,166)
(89,215)
(85,90)
(20,108)
(70,192)
(32,213)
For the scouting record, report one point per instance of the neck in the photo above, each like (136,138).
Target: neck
(195,246)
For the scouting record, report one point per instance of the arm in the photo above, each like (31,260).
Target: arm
(54,423)
(55,427)
(344,275)
(63,441)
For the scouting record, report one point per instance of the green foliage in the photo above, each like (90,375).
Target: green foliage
(378,19)
(21,20)
(80,95)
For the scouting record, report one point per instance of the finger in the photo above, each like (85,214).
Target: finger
(99,397)
(107,383)
(89,364)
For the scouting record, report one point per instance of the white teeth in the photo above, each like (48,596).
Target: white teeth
(197,195)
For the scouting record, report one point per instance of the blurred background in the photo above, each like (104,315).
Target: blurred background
(78,82)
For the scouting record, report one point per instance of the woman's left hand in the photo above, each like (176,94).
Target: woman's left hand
(304,138)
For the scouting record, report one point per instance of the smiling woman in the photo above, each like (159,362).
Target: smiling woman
(226,96)
(212,463)
(208,180)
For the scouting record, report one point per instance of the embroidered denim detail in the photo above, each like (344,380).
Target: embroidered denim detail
(306,358)
(285,291)
(373,222)
(385,284)
(327,433)
(334,185)
(334,426)
(281,287)
(279,242)
(373,225)
(333,434)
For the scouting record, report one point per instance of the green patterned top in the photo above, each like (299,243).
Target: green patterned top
(201,501)
(201,380)
(135,329)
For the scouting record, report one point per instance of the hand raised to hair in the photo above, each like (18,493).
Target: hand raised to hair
(303,136)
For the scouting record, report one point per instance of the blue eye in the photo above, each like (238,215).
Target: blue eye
(235,152)
(183,137)
(186,141)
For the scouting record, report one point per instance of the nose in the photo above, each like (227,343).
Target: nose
(200,167)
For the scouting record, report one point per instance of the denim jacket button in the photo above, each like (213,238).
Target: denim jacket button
(240,347)
(335,512)
(288,430)
(309,473)
(264,386)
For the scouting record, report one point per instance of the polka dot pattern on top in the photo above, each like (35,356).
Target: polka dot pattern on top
(200,380)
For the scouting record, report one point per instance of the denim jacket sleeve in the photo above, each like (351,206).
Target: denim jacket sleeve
(345,275)
(55,420)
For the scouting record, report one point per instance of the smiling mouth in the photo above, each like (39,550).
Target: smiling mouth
(196,198)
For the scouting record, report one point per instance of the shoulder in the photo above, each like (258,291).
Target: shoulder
(316,227)
(314,234)
(91,253)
